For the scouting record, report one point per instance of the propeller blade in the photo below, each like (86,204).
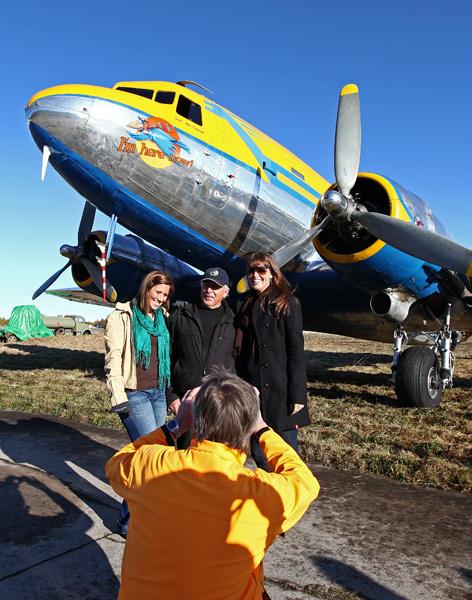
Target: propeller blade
(51,280)
(86,222)
(347,149)
(417,241)
(285,254)
(45,162)
(96,274)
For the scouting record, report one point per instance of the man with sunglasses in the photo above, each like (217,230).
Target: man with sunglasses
(202,336)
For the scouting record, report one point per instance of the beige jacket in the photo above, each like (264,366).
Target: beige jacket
(120,364)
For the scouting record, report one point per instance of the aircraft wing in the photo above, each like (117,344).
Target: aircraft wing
(79,295)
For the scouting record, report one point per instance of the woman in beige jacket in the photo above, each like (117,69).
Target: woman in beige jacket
(137,361)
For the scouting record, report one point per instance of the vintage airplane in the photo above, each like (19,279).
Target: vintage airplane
(205,188)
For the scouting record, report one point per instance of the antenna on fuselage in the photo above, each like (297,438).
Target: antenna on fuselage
(186,83)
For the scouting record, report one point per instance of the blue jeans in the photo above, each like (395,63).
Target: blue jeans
(290,436)
(148,411)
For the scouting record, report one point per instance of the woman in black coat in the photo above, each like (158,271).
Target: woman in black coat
(269,350)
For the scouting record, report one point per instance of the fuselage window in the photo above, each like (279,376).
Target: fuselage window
(165,97)
(190,110)
(138,91)
(298,174)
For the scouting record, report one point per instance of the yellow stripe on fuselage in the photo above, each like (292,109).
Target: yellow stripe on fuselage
(215,132)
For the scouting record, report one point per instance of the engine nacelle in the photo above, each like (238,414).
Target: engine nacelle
(130,260)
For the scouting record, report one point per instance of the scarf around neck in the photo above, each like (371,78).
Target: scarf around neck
(143,328)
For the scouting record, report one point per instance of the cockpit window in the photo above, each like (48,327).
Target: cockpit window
(190,110)
(145,93)
(165,97)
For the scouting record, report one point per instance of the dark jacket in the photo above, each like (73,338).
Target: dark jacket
(277,363)
(186,336)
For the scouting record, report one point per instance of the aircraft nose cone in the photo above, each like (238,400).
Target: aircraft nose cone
(63,116)
(43,115)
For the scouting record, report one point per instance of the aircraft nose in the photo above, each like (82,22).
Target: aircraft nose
(57,119)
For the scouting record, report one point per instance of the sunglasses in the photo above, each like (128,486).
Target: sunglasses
(258,270)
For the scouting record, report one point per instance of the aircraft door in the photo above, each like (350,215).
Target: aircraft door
(214,182)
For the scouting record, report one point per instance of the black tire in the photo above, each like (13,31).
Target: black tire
(59,331)
(11,338)
(87,332)
(417,376)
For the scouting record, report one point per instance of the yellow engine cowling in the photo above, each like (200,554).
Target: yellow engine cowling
(349,242)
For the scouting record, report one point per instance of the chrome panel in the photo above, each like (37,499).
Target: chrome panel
(213,195)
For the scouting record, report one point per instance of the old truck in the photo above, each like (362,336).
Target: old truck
(68,325)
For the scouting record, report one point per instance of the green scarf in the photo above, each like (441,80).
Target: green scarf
(143,328)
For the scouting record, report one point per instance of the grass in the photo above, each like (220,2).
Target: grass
(358,426)
(356,423)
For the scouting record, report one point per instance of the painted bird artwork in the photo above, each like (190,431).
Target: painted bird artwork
(151,129)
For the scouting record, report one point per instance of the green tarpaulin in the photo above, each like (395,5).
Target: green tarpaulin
(26,322)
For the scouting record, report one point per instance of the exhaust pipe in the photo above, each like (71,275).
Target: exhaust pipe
(395,306)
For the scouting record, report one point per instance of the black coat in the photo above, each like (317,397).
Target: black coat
(276,364)
(186,335)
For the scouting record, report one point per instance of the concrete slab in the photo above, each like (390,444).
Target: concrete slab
(377,538)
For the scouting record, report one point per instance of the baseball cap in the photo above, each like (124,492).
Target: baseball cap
(219,276)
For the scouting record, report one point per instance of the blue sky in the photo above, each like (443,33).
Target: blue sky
(278,64)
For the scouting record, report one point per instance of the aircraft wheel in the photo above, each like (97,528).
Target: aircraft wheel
(87,332)
(59,331)
(418,383)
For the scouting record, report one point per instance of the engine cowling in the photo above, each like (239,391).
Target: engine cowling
(349,242)
(367,261)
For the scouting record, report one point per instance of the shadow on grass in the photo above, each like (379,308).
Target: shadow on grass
(336,393)
(349,377)
(354,580)
(460,382)
(326,360)
(43,357)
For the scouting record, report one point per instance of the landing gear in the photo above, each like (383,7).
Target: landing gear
(420,374)
(418,382)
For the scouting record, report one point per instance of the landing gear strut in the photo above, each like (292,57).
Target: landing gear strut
(420,374)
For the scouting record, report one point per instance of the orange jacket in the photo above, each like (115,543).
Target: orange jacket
(201,522)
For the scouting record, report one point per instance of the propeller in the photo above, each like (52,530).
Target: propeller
(86,223)
(51,280)
(76,255)
(347,149)
(285,254)
(405,236)
(346,164)
(421,243)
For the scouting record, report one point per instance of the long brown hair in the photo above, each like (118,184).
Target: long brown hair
(280,291)
(149,281)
